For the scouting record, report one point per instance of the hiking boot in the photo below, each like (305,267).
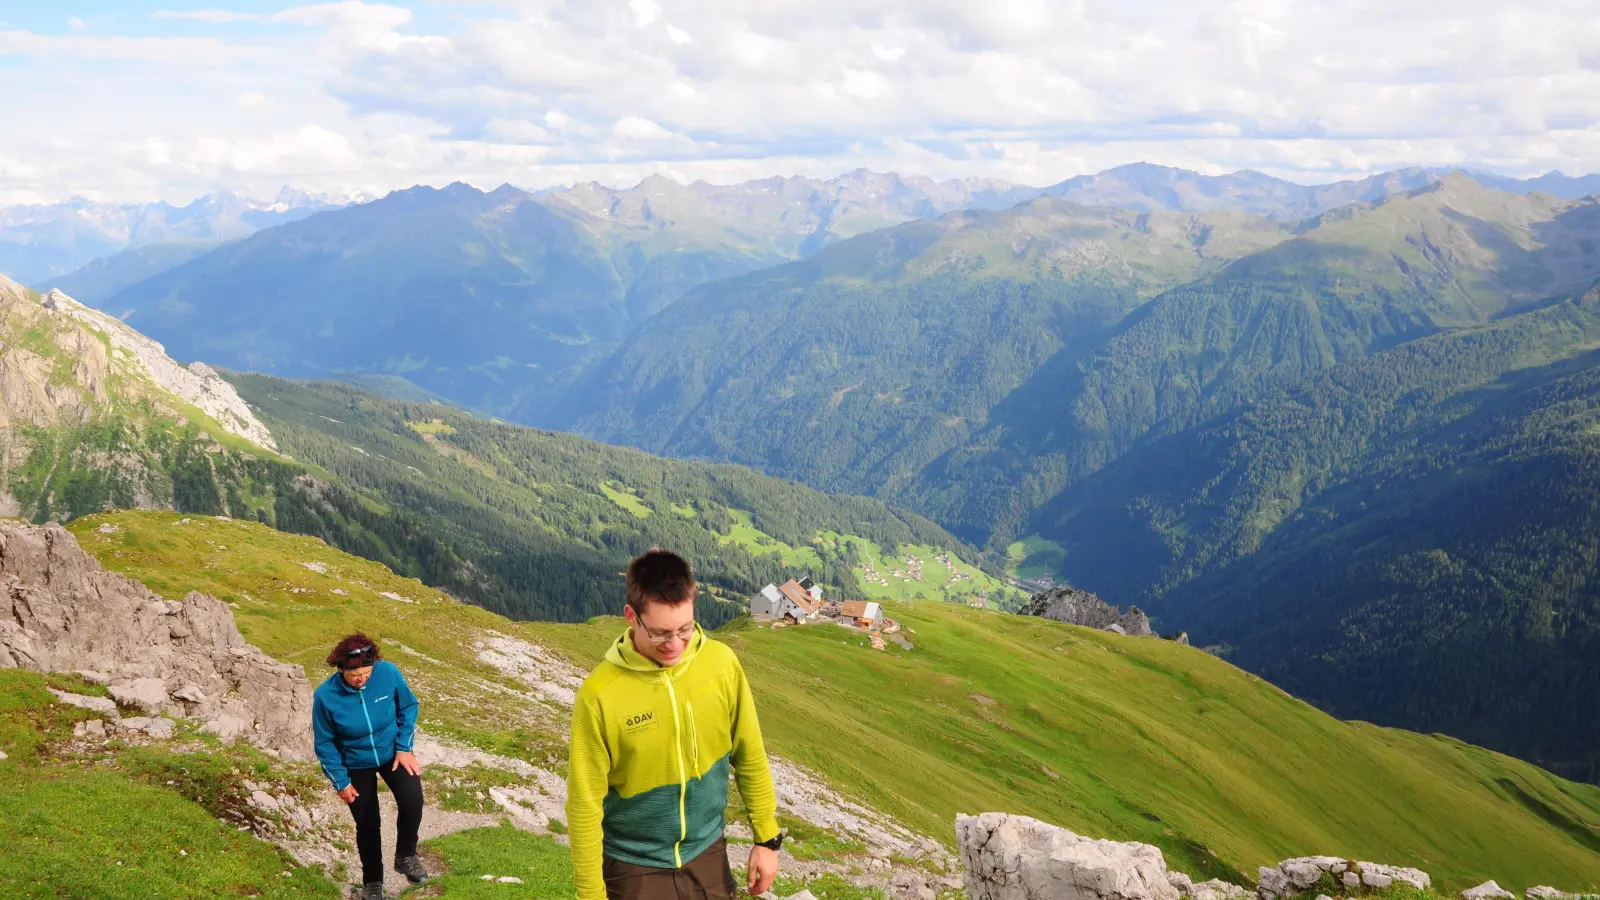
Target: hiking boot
(411,868)
(372,890)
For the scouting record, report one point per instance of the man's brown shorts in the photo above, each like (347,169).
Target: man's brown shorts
(706,877)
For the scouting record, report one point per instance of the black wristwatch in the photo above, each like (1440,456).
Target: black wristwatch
(773,844)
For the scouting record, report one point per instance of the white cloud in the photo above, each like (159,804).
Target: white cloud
(537,91)
(517,131)
(637,128)
(887,54)
(644,12)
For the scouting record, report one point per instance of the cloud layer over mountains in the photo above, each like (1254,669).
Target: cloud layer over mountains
(357,95)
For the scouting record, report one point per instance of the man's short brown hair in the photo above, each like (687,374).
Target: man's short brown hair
(660,576)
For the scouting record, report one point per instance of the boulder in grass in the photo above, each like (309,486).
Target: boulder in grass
(1489,890)
(1017,858)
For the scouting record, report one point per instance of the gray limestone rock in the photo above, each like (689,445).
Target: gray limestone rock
(148,695)
(1489,890)
(1217,889)
(1076,607)
(154,726)
(1017,858)
(59,609)
(101,705)
(1293,876)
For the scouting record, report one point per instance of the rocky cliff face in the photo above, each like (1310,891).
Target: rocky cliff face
(59,611)
(93,415)
(59,359)
(1076,607)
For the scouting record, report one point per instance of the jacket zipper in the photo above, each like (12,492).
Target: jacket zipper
(683,781)
(361,694)
(694,738)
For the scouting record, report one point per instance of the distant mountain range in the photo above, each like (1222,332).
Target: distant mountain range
(497,300)
(1301,422)
(39,244)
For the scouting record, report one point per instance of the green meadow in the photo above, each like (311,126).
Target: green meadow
(1117,737)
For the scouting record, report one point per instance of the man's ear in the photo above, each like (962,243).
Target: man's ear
(630,615)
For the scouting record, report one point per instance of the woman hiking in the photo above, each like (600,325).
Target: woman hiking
(364,717)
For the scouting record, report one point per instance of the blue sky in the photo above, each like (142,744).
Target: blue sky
(148,100)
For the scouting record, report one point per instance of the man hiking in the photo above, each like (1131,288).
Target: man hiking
(654,731)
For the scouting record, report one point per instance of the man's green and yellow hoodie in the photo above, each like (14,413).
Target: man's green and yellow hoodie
(647,778)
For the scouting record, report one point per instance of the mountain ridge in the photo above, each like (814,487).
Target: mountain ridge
(43,242)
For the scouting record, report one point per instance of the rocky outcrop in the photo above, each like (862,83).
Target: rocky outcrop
(197,383)
(1076,607)
(1489,890)
(1017,858)
(1293,877)
(59,611)
(1546,892)
(65,376)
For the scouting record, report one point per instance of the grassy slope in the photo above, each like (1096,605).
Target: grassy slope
(74,826)
(1033,556)
(291,612)
(1133,728)
(960,579)
(1129,727)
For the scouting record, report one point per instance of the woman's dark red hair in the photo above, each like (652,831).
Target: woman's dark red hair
(354,652)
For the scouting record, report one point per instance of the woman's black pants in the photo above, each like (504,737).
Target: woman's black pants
(407,790)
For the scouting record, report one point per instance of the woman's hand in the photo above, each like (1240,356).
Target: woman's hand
(349,794)
(405,759)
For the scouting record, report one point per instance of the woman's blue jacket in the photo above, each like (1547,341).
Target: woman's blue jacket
(362,729)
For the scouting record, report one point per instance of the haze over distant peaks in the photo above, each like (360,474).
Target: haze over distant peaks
(41,242)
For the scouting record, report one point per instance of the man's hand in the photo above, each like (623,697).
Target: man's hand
(349,794)
(763,869)
(408,761)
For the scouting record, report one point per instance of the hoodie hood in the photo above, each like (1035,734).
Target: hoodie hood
(624,655)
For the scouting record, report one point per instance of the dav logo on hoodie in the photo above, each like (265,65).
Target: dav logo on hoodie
(638,721)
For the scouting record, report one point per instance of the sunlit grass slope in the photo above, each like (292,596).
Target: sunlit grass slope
(1129,738)
(1143,739)
(282,588)
(92,826)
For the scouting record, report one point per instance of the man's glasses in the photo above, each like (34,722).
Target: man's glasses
(657,637)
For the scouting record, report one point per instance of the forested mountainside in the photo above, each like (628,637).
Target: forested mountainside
(489,299)
(530,524)
(540,524)
(976,399)
(1206,454)
(1357,281)
(865,363)
(476,296)
(1421,517)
